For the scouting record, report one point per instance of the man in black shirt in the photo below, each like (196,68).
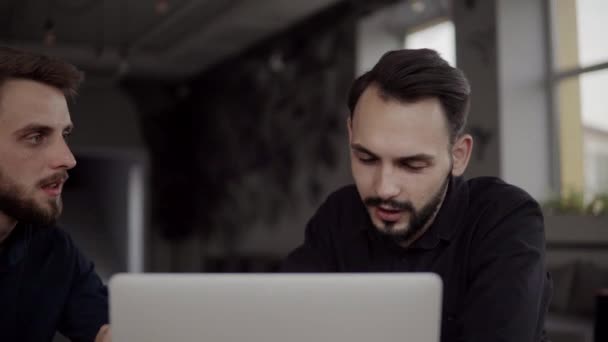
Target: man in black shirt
(410,210)
(46,284)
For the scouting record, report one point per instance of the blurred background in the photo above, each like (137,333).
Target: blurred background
(208,131)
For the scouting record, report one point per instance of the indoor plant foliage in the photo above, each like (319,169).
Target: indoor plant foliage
(576,203)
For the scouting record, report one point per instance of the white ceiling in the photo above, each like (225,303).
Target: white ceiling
(131,36)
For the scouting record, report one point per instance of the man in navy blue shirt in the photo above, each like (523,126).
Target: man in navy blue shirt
(410,210)
(46,284)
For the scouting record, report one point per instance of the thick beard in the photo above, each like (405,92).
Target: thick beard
(14,204)
(419,218)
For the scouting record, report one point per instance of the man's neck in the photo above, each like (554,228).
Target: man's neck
(7,224)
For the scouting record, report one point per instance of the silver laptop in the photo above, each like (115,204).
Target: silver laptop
(275,307)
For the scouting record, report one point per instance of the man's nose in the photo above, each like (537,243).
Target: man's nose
(387,185)
(62,158)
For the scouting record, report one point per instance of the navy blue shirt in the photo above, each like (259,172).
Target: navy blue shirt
(47,285)
(487,244)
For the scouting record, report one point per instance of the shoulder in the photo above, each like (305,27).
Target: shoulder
(504,213)
(492,191)
(504,220)
(494,202)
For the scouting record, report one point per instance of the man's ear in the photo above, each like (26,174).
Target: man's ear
(461,153)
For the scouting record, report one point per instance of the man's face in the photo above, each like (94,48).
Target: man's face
(401,161)
(34,156)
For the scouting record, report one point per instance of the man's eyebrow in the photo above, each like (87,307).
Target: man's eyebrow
(41,128)
(34,128)
(420,157)
(360,148)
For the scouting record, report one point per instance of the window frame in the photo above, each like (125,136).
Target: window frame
(554,78)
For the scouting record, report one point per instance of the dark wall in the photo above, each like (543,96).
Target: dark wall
(228,146)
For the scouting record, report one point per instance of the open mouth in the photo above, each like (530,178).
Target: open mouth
(53,186)
(53,189)
(388,214)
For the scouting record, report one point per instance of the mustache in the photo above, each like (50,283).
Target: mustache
(391,203)
(59,177)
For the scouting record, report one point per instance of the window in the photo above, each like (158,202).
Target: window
(579,83)
(438,35)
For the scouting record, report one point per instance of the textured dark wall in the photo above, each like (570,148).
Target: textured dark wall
(227,146)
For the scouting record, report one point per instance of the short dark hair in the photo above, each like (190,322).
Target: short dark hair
(409,75)
(21,64)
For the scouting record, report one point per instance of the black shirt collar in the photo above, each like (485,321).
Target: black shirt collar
(452,210)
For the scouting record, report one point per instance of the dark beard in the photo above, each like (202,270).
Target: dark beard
(418,218)
(14,204)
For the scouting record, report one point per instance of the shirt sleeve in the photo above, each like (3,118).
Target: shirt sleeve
(508,294)
(316,254)
(86,309)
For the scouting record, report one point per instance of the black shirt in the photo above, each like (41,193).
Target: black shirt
(487,244)
(47,285)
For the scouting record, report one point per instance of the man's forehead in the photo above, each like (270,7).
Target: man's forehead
(396,130)
(24,102)
(12,89)
(376,112)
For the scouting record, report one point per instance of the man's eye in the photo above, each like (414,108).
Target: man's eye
(367,160)
(35,139)
(415,166)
